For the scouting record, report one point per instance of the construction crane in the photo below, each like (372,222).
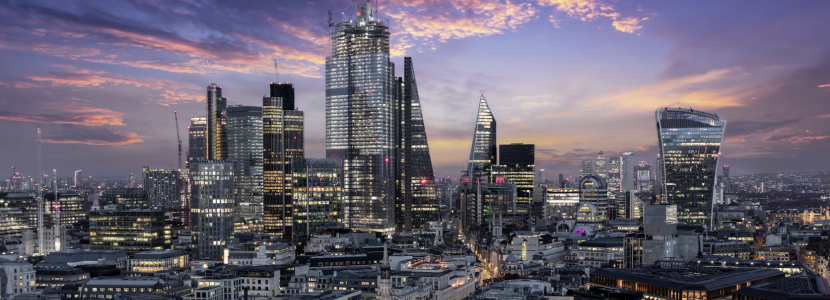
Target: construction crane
(176,116)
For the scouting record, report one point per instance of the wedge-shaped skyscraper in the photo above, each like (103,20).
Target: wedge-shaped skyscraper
(419,202)
(483,150)
(690,143)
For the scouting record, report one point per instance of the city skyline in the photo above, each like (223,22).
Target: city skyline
(102,87)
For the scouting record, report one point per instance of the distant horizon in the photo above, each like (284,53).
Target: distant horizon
(574,78)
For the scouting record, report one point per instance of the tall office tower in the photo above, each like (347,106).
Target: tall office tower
(282,141)
(318,197)
(77,179)
(418,203)
(561,180)
(215,128)
(211,207)
(197,139)
(614,167)
(592,211)
(128,198)
(657,187)
(162,186)
(70,208)
(689,145)
(483,150)
(131,181)
(360,114)
(627,175)
(599,165)
(587,168)
(540,177)
(629,206)
(643,171)
(244,136)
(727,182)
(132,230)
(516,165)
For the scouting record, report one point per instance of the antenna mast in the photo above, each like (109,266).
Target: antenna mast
(39,188)
(277,68)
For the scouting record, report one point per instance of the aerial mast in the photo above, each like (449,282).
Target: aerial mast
(39,188)
(176,116)
(57,212)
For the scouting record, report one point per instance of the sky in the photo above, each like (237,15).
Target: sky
(573,77)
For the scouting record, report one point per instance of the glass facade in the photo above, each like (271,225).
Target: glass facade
(627,175)
(216,108)
(587,168)
(162,186)
(360,119)
(517,166)
(129,198)
(244,134)
(483,151)
(643,177)
(131,230)
(599,165)
(317,201)
(690,143)
(211,207)
(593,201)
(282,140)
(197,141)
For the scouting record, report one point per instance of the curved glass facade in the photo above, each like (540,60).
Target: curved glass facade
(689,143)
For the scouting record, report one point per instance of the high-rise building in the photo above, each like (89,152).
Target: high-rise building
(561,204)
(318,197)
(600,166)
(689,145)
(128,198)
(211,207)
(643,171)
(561,180)
(418,203)
(516,165)
(132,230)
(593,203)
(360,119)
(587,168)
(197,139)
(282,141)
(71,208)
(483,151)
(614,167)
(627,175)
(727,182)
(131,183)
(77,179)
(215,127)
(162,186)
(244,137)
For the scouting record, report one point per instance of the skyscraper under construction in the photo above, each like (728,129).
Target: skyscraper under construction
(361,119)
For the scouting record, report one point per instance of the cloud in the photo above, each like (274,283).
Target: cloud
(590,10)
(824,85)
(741,129)
(19,84)
(800,137)
(170,92)
(81,115)
(91,136)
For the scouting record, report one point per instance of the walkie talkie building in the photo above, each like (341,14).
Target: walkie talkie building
(690,143)
(360,119)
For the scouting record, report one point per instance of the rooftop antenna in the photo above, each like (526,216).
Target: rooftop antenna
(277,69)
(40,233)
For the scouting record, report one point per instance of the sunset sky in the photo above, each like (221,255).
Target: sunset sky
(574,77)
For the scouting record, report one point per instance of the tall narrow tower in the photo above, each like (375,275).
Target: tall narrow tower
(282,140)
(216,109)
(483,150)
(39,186)
(385,282)
(360,114)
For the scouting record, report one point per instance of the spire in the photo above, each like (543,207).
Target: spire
(483,150)
(385,257)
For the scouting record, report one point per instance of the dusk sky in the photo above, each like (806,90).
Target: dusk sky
(102,78)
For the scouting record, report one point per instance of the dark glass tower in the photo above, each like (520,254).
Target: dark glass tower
(317,201)
(516,165)
(690,143)
(282,140)
(419,202)
(483,150)
(360,119)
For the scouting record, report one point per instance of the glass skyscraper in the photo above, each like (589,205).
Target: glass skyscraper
(360,119)
(599,165)
(211,207)
(196,139)
(483,151)
(162,186)
(317,201)
(282,139)
(215,130)
(627,175)
(517,165)
(690,143)
(244,135)
(587,168)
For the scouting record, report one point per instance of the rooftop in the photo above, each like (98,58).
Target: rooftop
(682,276)
(800,286)
(156,254)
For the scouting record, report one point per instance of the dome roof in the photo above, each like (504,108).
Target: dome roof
(512,258)
(592,182)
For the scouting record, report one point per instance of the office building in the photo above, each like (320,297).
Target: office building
(131,230)
(244,138)
(217,106)
(629,206)
(587,167)
(592,211)
(360,114)
(561,204)
(159,261)
(131,181)
(162,186)
(318,197)
(689,145)
(211,207)
(482,202)
(127,197)
(282,140)
(561,180)
(614,167)
(516,165)
(197,139)
(418,201)
(16,278)
(600,167)
(77,179)
(627,174)
(727,182)
(71,206)
(483,150)
(643,171)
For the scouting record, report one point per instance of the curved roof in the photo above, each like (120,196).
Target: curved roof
(597,181)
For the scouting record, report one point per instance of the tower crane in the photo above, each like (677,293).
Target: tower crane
(176,116)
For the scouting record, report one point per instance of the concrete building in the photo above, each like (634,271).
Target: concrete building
(18,278)
(130,230)
(162,186)
(159,261)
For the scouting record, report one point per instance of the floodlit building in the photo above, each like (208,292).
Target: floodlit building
(318,197)
(162,186)
(211,207)
(283,140)
(244,138)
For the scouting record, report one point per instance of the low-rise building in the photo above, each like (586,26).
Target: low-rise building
(728,248)
(57,275)
(75,257)
(109,287)
(799,287)
(775,253)
(594,253)
(218,287)
(18,276)
(158,261)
